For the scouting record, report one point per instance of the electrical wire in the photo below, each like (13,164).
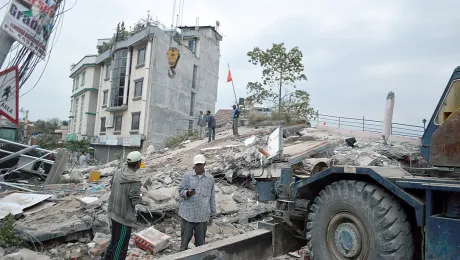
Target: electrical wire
(55,37)
(25,58)
(3,6)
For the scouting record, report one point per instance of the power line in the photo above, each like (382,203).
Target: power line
(56,36)
(3,6)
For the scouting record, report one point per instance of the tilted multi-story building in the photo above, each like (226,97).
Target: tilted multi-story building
(138,103)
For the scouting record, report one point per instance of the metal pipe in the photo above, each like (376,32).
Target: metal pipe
(16,154)
(16,187)
(24,145)
(30,157)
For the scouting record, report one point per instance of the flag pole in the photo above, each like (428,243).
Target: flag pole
(234,92)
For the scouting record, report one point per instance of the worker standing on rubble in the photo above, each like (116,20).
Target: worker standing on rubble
(235,116)
(198,203)
(202,122)
(211,126)
(124,195)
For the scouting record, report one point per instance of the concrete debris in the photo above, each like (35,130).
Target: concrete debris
(226,205)
(79,210)
(26,254)
(99,244)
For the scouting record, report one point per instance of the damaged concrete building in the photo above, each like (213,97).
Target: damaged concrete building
(139,101)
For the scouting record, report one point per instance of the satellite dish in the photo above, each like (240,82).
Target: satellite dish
(217,23)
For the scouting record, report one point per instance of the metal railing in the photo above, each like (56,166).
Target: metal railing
(368,125)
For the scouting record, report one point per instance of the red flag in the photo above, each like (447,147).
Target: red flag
(229,76)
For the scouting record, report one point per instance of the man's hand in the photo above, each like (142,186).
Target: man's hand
(190,193)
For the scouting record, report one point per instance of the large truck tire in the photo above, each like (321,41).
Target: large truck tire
(358,220)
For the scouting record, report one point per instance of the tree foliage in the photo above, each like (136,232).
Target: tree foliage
(281,68)
(47,126)
(77,145)
(48,141)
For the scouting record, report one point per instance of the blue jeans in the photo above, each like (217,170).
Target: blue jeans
(212,132)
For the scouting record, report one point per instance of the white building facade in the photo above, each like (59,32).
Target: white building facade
(129,99)
(83,103)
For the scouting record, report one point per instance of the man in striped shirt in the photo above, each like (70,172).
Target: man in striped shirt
(198,203)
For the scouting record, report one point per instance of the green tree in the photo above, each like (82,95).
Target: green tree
(280,69)
(47,126)
(48,141)
(77,145)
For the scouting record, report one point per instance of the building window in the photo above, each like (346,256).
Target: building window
(83,76)
(73,86)
(108,68)
(135,121)
(195,71)
(192,45)
(105,95)
(77,82)
(71,106)
(118,123)
(141,56)
(138,88)
(103,129)
(118,78)
(192,104)
(81,113)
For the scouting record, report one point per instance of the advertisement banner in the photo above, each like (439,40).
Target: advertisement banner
(30,23)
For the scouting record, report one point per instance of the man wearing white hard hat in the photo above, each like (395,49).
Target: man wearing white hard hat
(198,203)
(125,194)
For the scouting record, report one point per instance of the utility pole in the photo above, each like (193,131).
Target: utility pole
(5,45)
(26,123)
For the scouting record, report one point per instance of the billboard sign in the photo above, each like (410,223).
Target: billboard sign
(30,23)
(9,94)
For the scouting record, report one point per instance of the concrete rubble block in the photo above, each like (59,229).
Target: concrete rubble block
(226,190)
(367,160)
(101,224)
(2,252)
(101,242)
(163,194)
(150,150)
(229,175)
(109,171)
(26,254)
(151,240)
(63,220)
(225,204)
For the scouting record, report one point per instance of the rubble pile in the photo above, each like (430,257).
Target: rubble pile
(77,226)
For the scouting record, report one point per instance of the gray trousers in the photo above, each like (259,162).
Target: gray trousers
(189,229)
(235,126)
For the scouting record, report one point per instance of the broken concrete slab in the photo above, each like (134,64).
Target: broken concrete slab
(163,194)
(225,204)
(62,220)
(108,171)
(26,254)
(16,203)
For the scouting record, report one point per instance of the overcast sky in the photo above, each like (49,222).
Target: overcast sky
(355,51)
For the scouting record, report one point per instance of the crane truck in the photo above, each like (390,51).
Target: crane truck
(347,212)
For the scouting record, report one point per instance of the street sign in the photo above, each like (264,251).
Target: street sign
(9,94)
(30,23)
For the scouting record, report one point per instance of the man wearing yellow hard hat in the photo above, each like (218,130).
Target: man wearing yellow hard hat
(125,194)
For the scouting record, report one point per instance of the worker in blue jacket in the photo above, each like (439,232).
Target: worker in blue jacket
(235,116)
(211,126)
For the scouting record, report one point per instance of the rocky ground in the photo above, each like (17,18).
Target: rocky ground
(76,225)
